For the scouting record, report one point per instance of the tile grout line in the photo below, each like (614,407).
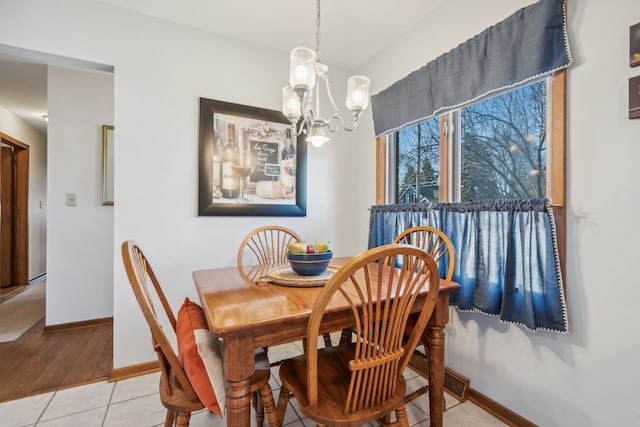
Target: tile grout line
(45,408)
(113,390)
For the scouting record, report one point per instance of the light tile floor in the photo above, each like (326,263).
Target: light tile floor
(134,402)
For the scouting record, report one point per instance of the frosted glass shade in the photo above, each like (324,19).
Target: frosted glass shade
(302,71)
(358,93)
(316,137)
(290,104)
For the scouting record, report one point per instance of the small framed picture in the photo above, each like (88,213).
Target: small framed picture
(107,164)
(634,97)
(634,45)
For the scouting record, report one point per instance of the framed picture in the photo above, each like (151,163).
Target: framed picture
(107,165)
(249,162)
(634,97)
(634,45)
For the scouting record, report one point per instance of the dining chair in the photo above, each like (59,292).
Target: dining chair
(433,241)
(177,392)
(269,245)
(437,244)
(362,381)
(266,245)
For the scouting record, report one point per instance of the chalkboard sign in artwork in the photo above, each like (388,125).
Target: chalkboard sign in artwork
(267,155)
(249,162)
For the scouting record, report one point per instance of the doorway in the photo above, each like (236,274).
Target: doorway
(14,196)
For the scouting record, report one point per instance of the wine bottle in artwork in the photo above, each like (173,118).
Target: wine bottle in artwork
(230,153)
(217,161)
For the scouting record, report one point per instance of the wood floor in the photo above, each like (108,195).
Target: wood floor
(39,362)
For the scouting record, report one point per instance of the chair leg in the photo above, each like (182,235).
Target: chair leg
(283,401)
(422,390)
(345,337)
(327,340)
(183,419)
(259,407)
(401,416)
(168,420)
(269,406)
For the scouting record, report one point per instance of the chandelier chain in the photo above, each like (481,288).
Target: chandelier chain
(318,29)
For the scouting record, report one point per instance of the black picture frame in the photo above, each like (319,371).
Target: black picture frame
(634,97)
(260,132)
(634,45)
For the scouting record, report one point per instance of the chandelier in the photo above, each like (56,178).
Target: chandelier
(306,73)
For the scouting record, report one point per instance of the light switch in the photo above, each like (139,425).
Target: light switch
(71,199)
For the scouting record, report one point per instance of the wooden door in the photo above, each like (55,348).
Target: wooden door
(6,217)
(15,223)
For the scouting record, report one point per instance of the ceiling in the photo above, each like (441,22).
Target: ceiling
(352,32)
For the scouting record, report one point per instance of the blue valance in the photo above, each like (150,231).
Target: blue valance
(529,44)
(507,260)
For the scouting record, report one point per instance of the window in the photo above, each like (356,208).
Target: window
(509,146)
(503,146)
(417,150)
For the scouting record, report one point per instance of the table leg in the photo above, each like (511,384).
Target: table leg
(239,365)
(435,353)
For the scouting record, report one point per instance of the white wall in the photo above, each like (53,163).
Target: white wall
(161,70)
(589,377)
(15,127)
(79,238)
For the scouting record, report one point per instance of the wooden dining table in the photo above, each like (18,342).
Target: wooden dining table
(249,312)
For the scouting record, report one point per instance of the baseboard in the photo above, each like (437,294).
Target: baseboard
(504,414)
(39,278)
(79,325)
(134,371)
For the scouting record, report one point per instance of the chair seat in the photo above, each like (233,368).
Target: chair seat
(177,401)
(333,386)
(262,371)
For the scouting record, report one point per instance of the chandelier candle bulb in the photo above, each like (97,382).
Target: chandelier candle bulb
(358,93)
(290,104)
(302,74)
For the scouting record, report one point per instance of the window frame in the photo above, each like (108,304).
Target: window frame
(556,110)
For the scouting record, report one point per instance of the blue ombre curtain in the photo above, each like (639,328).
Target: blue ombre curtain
(507,261)
(387,221)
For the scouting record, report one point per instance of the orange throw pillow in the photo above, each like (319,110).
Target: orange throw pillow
(201,357)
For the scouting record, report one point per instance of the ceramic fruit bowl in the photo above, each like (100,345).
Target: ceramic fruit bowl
(309,264)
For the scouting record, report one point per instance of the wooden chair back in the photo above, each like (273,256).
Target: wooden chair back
(381,298)
(433,241)
(268,245)
(145,286)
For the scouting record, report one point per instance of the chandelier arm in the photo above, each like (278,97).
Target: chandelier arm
(298,128)
(334,106)
(304,123)
(348,129)
(335,118)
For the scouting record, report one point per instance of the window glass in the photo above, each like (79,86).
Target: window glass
(418,163)
(503,146)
